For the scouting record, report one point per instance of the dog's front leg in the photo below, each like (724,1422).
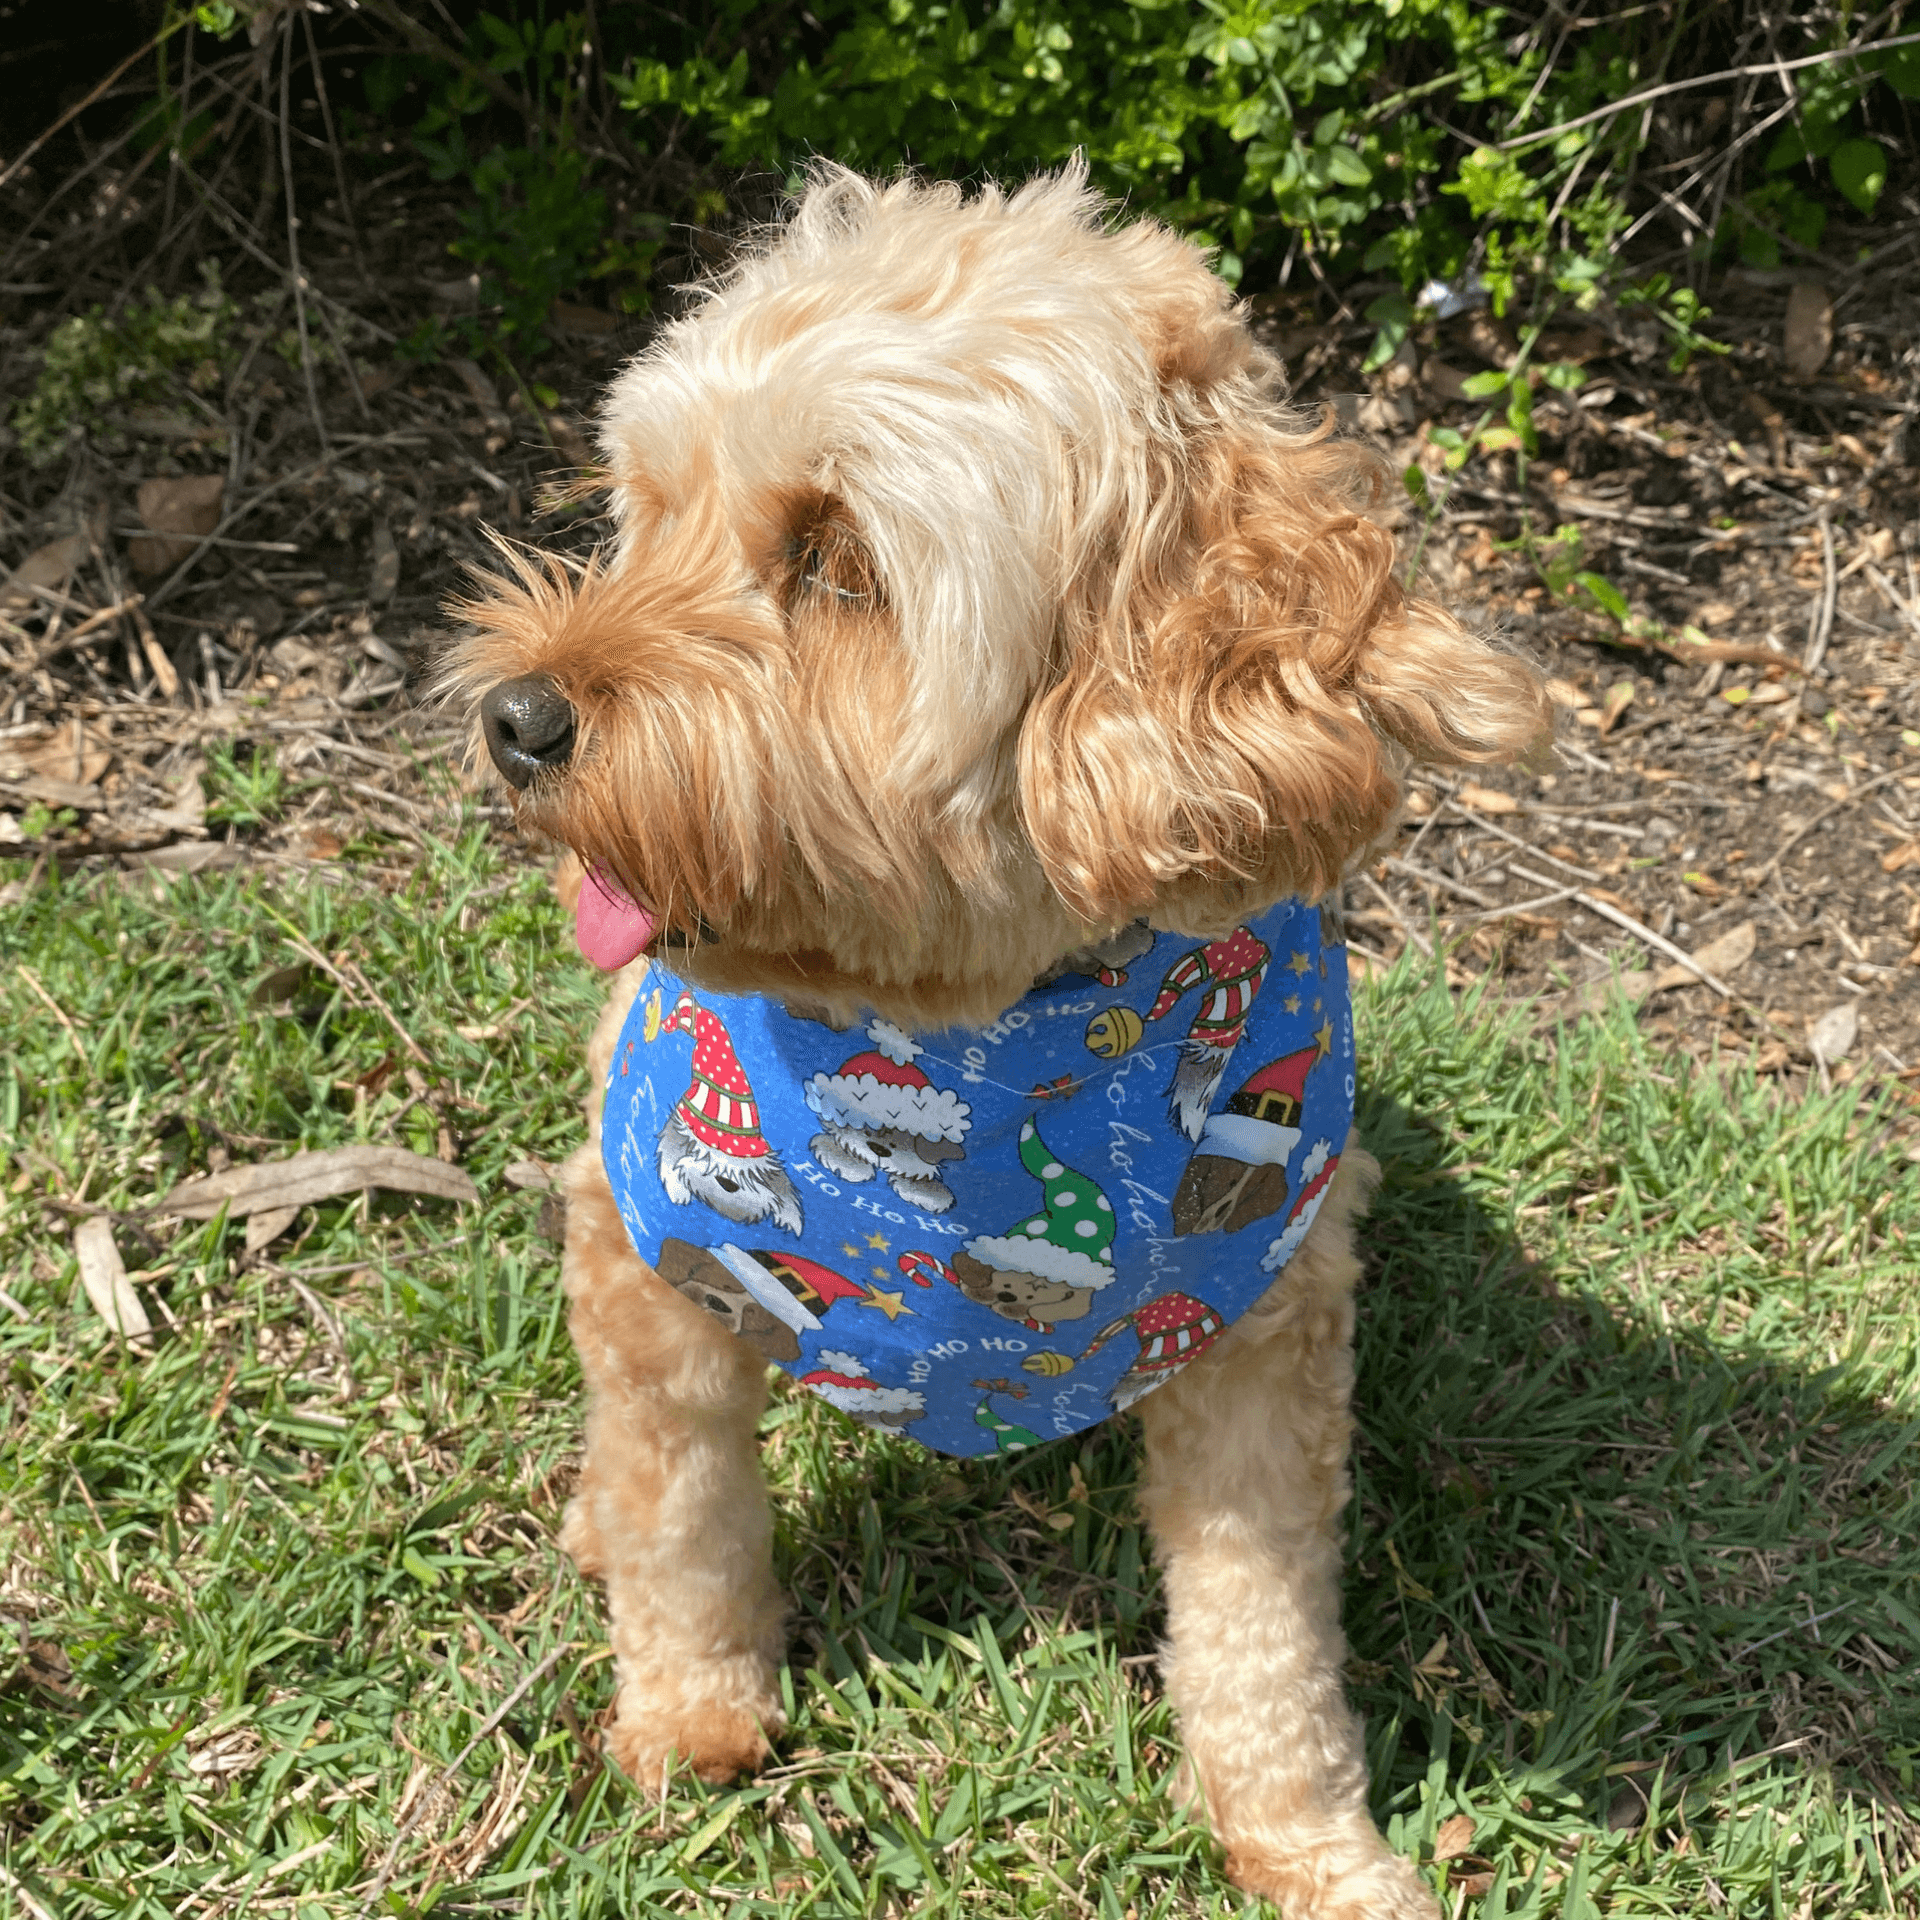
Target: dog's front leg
(671,1510)
(1246,1471)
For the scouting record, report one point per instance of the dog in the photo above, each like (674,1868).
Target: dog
(977,614)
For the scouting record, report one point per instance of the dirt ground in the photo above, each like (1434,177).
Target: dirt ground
(267,567)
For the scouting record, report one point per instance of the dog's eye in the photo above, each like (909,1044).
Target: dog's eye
(830,564)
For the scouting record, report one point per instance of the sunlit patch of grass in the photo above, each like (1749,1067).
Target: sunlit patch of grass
(1635,1561)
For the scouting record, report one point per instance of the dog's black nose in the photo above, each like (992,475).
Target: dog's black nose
(529,727)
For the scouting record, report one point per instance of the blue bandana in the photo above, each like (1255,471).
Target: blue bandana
(989,1238)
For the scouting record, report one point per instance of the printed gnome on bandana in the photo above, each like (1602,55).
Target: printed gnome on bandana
(711,1148)
(1049,1268)
(880,1114)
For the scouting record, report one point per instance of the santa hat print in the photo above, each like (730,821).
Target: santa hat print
(1260,1124)
(1316,1172)
(790,1286)
(881,1087)
(842,1380)
(1071,1242)
(718,1107)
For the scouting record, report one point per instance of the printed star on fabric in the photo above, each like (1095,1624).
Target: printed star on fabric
(1323,1037)
(878,1241)
(1299,964)
(1291,1003)
(893,1305)
(849,1249)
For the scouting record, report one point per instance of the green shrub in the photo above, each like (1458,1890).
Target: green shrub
(1404,138)
(94,367)
(1380,143)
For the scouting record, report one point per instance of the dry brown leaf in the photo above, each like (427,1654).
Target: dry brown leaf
(48,566)
(1619,698)
(1808,338)
(188,856)
(76,754)
(386,564)
(570,442)
(1578,345)
(1720,957)
(1454,1838)
(55,793)
(263,1229)
(104,1275)
(1486,799)
(594,322)
(46,1666)
(1442,381)
(1492,340)
(182,511)
(304,1178)
(1830,1038)
(473,376)
(1563,693)
(1634,985)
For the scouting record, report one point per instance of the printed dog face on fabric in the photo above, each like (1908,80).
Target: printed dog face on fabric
(997,1237)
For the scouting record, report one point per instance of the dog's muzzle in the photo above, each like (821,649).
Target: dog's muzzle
(529,724)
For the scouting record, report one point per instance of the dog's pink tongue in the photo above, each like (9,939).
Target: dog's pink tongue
(610,928)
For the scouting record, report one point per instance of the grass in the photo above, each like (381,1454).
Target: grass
(1634,1558)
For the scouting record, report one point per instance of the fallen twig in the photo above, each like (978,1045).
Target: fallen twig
(1400,920)
(1428,878)
(1481,821)
(1640,931)
(1761,875)
(1820,622)
(383,1874)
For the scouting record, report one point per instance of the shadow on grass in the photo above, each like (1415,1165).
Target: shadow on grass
(1634,1596)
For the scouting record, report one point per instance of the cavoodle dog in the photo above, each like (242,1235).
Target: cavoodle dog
(986,677)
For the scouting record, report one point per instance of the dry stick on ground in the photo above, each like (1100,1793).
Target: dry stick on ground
(383,1875)
(1820,622)
(1526,846)
(1640,931)
(339,162)
(293,231)
(1757,879)
(1428,878)
(361,984)
(1399,919)
(80,106)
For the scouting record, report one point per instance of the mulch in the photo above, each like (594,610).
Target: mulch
(1745,749)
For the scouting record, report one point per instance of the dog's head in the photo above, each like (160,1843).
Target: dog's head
(972,595)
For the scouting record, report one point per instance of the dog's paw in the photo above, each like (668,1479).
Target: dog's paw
(715,1741)
(580,1540)
(1307,1885)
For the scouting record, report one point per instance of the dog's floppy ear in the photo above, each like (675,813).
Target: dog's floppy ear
(1240,681)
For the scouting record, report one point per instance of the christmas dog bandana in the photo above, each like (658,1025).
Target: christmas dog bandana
(986,1239)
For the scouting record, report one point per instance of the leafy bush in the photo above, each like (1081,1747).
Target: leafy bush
(1380,144)
(537,228)
(95,366)
(1414,139)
